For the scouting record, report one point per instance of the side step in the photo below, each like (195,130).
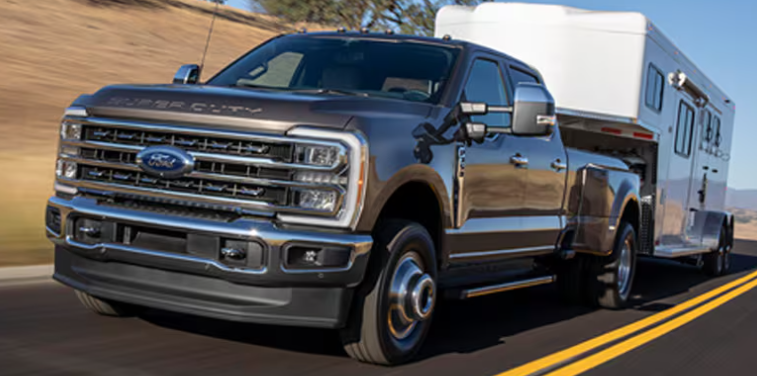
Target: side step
(679,252)
(509,286)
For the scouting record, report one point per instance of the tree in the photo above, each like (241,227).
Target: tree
(404,16)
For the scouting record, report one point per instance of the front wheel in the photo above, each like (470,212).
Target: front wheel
(392,310)
(611,277)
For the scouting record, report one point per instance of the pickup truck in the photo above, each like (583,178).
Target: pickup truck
(345,180)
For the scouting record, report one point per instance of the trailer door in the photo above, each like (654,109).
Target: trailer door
(678,183)
(701,161)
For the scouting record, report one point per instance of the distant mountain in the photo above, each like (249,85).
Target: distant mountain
(741,198)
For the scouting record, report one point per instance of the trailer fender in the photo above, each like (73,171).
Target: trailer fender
(707,225)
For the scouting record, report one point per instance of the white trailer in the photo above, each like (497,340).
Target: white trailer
(622,88)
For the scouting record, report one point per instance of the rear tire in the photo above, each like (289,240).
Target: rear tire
(611,277)
(104,308)
(718,262)
(392,309)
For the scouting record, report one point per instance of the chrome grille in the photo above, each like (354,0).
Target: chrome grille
(231,169)
(211,144)
(205,187)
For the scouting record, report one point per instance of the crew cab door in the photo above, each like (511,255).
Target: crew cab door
(490,186)
(546,174)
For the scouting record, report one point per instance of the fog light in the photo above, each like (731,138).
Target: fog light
(70,131)
(316,199)
(66,169)
(310,257)
(317,155)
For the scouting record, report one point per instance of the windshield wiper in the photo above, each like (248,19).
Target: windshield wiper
(331,91)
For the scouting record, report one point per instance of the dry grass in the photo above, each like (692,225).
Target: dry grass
(53,50)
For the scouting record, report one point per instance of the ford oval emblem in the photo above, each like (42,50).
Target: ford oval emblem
(165,161)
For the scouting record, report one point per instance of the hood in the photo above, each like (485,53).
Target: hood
(242,108)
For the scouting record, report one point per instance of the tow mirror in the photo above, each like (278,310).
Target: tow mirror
(533,114)
(534,111)
(187,74)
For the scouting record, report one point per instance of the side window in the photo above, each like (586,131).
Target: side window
(684,130)
(717,138)
(519,76)
(485,84)
(655,88)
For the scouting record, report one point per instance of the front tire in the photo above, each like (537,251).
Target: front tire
(611,277)
(393,308)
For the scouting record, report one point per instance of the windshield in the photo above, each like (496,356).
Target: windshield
(345,65)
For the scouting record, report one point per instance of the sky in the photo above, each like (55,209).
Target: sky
(720,37)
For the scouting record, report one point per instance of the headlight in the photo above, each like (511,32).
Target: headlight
(70,131)
(333,164)
(317,155)
(316,199)
(66,169)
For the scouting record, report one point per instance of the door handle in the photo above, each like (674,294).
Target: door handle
(519,160)
(558,165)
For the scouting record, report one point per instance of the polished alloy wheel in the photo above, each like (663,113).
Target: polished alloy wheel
(624,268)
(411,297)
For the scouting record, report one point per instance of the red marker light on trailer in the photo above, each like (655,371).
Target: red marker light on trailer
(645,136)
(612,130)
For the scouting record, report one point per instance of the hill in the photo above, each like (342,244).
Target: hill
(54,50)
(742,198)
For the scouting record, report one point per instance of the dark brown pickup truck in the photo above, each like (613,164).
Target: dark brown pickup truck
(340,180)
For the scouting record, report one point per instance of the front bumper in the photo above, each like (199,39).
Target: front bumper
(199,281)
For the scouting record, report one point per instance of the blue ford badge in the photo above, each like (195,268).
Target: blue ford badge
(165,161)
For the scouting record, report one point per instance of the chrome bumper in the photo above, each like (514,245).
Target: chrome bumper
(273,238)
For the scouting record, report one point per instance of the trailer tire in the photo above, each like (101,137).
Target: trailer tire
(611,277)
(105,308)
(717,262)
(392,309)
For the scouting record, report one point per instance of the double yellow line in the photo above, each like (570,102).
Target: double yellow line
(552,363)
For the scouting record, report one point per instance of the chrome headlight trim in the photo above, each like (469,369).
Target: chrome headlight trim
(352,204)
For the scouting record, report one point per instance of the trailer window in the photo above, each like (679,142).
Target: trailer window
(707,126)
(684,129)
(655,88)
(517,75)
(718,137)
(485,84)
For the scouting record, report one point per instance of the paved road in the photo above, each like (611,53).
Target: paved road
(44,331)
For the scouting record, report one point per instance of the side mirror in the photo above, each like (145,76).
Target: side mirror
(187,74)
(533,114)
(534,111)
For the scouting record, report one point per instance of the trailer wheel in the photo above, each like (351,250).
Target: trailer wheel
(611,277)
(392,309)
(718,262)
(105,308)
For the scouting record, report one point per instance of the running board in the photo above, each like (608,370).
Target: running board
(509,286)
(679,252)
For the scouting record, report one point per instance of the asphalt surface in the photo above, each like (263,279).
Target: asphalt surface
(44,331)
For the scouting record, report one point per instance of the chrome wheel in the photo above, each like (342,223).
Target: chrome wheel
(412,295)
(624,267)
